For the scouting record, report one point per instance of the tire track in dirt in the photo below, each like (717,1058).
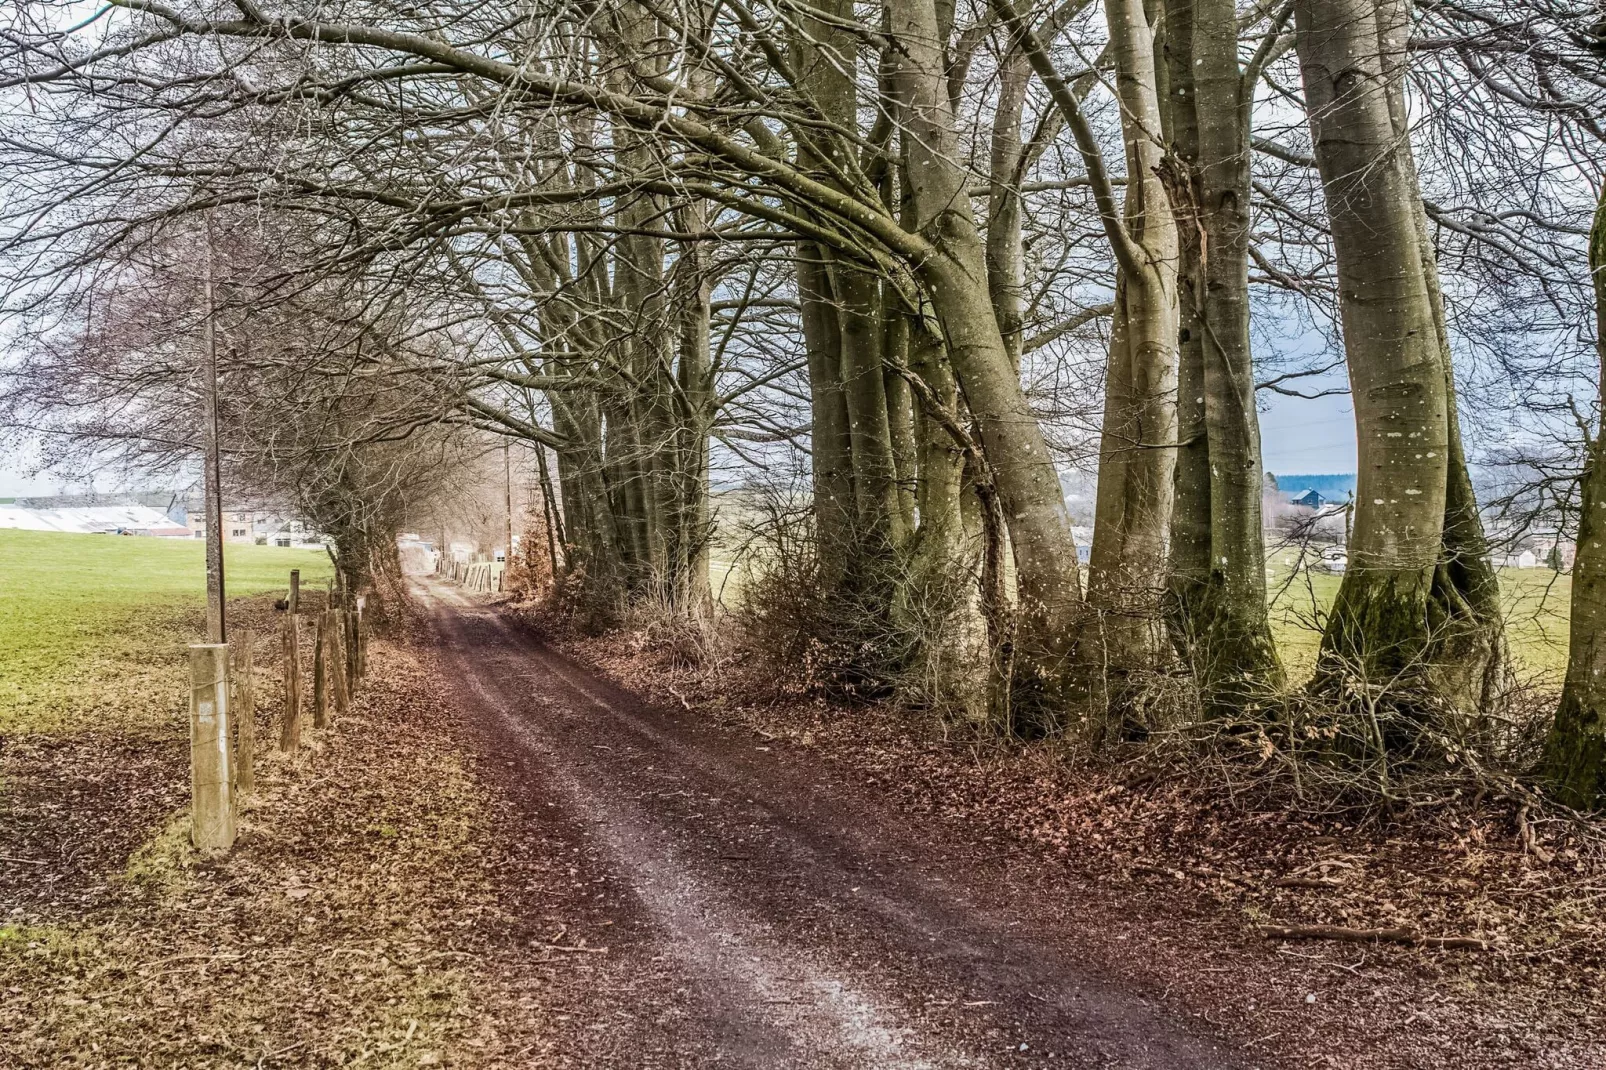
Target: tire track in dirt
(802,927)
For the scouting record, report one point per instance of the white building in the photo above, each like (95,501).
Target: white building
(93,520)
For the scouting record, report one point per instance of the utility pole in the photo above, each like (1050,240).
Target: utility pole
(216,626)
(507,487)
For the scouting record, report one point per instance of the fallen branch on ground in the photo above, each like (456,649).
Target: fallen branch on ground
(1368,936)
(1307,882)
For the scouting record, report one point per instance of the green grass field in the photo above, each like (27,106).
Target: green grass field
(1536,599)
(92,627)
(80,616)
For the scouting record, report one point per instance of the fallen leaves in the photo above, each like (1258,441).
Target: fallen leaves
(317,941)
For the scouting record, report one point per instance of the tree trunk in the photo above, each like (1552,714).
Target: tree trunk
(1218,577)
(1132,512)
(1004,201)
(1575,751)
(1047,574)
(1416,599)
(588,512)
(691,530)
(830,451)
(844,330)
(875,474)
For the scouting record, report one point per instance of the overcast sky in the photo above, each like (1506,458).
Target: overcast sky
(1314,437)
(1298,437)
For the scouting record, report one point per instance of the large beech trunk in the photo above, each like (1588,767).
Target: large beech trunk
(844,322)
(1132,518)
(1417,610)
(1218,578)
(1575,751)
(830,451)
(1047,574)
(691,524)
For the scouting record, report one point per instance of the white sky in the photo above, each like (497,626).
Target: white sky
(1308,437)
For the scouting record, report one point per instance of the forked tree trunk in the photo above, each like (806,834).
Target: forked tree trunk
(831,454)
(1416,611)
(1218,578)
(875,474)
(1575,751)
(1004,253)
(691,530)
(1132,513)
(846,317)
(1047,575)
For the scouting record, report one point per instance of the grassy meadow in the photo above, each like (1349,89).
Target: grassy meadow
(93,628)
(1537,602)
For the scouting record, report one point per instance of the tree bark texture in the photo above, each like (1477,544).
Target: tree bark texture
(1416,609)
(1132,512)
(1575,750)
(1218,563)
(1047,573)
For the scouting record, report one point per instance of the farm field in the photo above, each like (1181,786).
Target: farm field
(80,615)
(93,628)
(1537,601)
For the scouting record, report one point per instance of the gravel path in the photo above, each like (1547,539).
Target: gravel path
(768,914)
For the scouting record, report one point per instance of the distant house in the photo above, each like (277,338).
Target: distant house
(1542,549)
(279,531)
(1310,499)
(1084,543)
(237,526)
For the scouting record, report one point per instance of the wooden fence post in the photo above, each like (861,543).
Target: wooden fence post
(211,764)
(244,713)
(295,590)
(337,671)
(320,672)
(362,642)
(290,734)
(349,622)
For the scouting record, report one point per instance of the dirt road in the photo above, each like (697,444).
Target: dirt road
(762,912)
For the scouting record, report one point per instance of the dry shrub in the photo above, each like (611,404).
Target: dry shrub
(576,602)
(870,630)
(566,599)
(530,575)
(674,636)
(1364,748)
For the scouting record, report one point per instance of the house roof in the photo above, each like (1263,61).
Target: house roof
(86,519)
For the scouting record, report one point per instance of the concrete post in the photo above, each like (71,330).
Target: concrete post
(320,671)
(349,621)
(336,662)
(362,640)
(211,762)
(290,734)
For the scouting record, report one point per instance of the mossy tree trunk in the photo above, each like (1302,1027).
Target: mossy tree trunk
(1218,578)
(1575,750)
(1417,609)
(1137,455)
(1047,573)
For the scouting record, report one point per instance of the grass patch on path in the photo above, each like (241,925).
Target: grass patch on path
(93,628)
